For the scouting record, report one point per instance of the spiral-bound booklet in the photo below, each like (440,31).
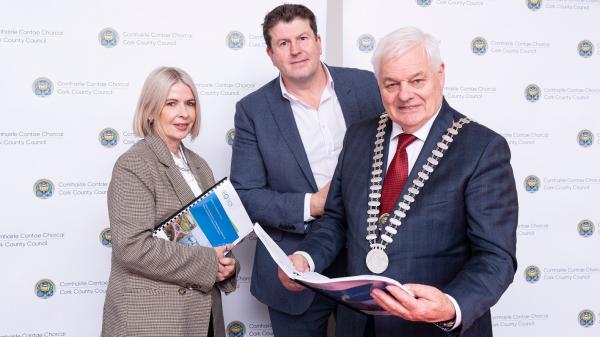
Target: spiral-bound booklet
(215,218)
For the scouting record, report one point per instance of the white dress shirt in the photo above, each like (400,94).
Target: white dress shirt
(322,132)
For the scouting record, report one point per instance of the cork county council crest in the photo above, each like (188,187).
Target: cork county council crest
(108,137)
(43,188)
(235,40)
(585,48)
(44,288)
(585,138)
(366,43)
(105,237)
(236,329)
(108,37)
(532,274)
(586,318)
(533,93)
(423,3)
(42,87)
(230,136)
(532,184)
(585,228)
(534,5)
(479,46)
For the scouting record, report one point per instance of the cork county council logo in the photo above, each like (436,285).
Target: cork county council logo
(533,93)
(230,136)
(105,237)
(108,137)
(532,184)
(585,228)
(423,3)
(585,138)
(42,87)
(479,46)
(585,48)
(235,40)
(534,5)
(365,43)
(44,288)
(236,329)
(532,274)
(108,37)
(586,318)
(43,188)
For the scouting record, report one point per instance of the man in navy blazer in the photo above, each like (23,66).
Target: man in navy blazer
(288,135)
(450,236)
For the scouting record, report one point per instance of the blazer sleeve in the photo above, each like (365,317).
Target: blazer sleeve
(492,215)
(280,210)
(131,207)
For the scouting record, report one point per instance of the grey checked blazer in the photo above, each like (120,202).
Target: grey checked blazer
(156,287)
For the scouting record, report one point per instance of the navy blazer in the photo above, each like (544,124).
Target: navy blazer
(271,172)
(458,236)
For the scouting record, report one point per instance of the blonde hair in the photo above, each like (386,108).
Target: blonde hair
(154,95)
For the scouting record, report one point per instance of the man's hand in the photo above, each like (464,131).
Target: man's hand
(317,201)
(300,264)
(429,304)
(226,264)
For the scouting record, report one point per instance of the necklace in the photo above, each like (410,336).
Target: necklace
(185,167)
(377,260)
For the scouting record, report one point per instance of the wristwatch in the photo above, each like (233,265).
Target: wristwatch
(446,325)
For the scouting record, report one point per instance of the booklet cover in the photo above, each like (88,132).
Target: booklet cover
(215,218)
(352,291)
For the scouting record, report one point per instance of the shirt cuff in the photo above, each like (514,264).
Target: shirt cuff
(307,216)
(458,320)
(311,263)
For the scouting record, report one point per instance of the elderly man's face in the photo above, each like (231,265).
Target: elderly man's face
(411,89)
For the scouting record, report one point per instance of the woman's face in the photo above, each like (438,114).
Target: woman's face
(177,116)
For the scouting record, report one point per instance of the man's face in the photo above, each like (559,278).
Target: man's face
(295,50)
(411,90)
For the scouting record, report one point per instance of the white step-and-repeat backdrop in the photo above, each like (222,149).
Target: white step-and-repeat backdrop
(71,75)
(528,70)
(72,71)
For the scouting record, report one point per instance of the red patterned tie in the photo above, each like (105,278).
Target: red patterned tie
(396,175)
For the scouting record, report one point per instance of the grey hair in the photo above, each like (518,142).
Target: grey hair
(401,41)
(154,95)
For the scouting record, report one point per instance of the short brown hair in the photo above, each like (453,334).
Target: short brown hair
(287,13)
(154,95)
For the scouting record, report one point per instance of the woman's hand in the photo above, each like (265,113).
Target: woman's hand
(226,264)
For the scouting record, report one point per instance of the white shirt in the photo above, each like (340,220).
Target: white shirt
(187,174)
(322,132)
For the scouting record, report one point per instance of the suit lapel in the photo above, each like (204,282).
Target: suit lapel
(284,118)
(346,97)
(201,178)
(182,189)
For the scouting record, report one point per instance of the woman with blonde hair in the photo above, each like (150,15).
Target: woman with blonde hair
(158,287)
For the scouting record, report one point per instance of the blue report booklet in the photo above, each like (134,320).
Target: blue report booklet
(215,218)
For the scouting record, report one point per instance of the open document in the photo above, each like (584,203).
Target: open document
(353,291)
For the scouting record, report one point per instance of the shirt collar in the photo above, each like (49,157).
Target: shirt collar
(421,133)
(329,87)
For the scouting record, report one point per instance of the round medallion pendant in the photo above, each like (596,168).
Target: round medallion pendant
(377,261)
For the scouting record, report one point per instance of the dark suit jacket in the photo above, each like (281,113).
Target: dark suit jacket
(156,287)
(458,236)
(271,172)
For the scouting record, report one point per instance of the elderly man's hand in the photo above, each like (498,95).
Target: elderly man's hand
(300,264)
(429,304)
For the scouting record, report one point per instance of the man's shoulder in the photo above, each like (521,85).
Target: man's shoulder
(477,133)
(352,74)
(259,95)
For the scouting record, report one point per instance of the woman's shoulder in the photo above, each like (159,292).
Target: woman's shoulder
(139,154)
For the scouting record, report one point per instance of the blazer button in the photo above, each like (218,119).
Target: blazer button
(182,291)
